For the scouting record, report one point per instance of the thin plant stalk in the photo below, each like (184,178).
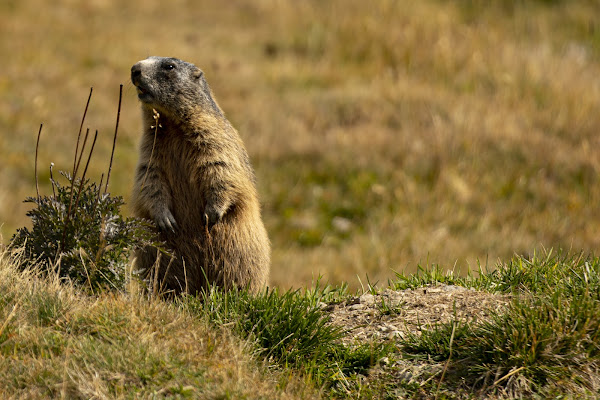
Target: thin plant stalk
(114,138)
(52,180)
(85,138)
(74,174)
(82,179)
(156,117)
(98,194)
(75,163)
(81,128)
(37,146)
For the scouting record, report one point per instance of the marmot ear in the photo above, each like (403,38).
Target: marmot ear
(198,74)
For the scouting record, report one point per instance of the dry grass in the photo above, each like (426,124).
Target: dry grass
(56,342)
(383,133)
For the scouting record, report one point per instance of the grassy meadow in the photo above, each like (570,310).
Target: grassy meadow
(56,342)
(384,134)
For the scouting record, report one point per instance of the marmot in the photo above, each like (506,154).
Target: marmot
(195,181)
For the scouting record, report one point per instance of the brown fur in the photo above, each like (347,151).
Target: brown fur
(195,181)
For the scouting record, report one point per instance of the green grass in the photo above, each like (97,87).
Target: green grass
(548,345)
(290,330)
(538,274)
(58,341)
(544,344)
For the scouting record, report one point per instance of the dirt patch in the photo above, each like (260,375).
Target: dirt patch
(392,314)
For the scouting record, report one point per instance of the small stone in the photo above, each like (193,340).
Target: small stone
(367,299)
(357,307)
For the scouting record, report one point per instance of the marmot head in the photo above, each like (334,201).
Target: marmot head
(173,87)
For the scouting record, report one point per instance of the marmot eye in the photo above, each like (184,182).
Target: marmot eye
(168,67)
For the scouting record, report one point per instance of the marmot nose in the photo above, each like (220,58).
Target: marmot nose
(136,71)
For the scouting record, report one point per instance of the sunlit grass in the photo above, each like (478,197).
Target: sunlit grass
(383,134)
(543,344)
(56,341)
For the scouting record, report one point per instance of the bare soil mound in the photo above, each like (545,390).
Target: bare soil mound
(393,314)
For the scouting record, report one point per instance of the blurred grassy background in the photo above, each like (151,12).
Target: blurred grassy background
(384,133)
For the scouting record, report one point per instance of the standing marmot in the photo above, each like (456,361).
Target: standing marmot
(195,181)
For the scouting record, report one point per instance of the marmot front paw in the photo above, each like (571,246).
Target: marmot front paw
(212,216)
(166,221)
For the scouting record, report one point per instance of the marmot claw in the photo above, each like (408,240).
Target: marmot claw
(166,221)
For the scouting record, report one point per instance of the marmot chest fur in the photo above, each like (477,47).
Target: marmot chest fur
(195,181)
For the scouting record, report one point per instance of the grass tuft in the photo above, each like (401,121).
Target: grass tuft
(545,342)
(290,330)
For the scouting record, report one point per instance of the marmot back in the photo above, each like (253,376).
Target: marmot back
(195,181)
